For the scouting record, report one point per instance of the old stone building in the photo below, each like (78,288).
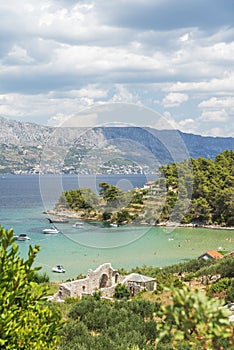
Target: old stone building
(103,279)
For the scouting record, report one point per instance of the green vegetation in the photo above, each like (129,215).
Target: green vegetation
(174,317)
(121,292)
(27,320)
(198,191)
(196,320)
(211,189)
(97,324)
(191,320)
(177,316)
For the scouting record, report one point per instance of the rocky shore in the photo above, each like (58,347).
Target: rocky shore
(63,212)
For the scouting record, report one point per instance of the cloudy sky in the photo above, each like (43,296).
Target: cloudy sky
(175,57)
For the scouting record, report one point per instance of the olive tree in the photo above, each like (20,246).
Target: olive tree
(196,319)
(27,319)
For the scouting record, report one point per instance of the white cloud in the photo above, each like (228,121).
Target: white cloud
(57,57)
(222,85)
(18,54)
(174,99)
(219,116)
(124,95)
(184,37)
(215,102)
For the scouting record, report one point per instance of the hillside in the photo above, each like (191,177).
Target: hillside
(167,199)
(31,148)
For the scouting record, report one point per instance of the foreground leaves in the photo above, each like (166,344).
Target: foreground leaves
(27,320)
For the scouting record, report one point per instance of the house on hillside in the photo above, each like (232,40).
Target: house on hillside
(211,254)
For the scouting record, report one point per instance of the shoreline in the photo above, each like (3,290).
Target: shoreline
(69,214)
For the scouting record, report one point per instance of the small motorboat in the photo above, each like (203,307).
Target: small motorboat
(78,225)
(22,237)
(114,225)
(58,269)
(52,229)
(58,220)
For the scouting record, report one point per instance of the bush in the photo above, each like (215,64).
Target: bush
(121,291)
(27,320)
(196,319)
(219,286)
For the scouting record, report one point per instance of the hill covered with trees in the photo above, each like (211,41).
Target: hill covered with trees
(195,191)
(211,187)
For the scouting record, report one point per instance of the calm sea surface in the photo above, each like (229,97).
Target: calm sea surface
(25,197)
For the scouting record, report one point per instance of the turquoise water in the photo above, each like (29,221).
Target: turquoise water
(127,246)
(88,247)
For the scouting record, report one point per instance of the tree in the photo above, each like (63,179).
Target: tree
(200,210)
(27,320)
(121,291)
(111,194)
(196,319)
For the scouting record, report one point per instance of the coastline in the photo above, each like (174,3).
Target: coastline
(61,212)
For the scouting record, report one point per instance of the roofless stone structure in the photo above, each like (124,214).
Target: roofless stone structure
(103,279)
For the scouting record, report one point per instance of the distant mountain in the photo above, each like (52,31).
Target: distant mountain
(206,146)
(31,148)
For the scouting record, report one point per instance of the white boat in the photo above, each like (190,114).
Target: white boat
(114,225)
(78,225)
(58,269)
(52,229)
(22,237)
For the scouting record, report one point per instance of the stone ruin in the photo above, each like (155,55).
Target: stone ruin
(103,279)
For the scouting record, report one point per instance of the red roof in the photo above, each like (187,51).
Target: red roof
(214,254)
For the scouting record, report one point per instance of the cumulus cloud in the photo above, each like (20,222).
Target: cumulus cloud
(214,116)
(216,102)
(174,99)
(57,57)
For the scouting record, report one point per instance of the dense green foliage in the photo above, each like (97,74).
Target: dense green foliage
(97,324)
(121,292)
(83,198)
(27,320)
(199,191)
(191,321)
(197,320)
(211,188)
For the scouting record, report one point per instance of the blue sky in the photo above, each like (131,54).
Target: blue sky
(175,57)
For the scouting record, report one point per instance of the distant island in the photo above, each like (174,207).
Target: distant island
(28,148)
(192,192)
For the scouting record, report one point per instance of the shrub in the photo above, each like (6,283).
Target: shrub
(121,291)
(27,320)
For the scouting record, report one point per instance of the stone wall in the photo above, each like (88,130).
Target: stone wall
(104,277)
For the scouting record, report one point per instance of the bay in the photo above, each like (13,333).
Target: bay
(25,197)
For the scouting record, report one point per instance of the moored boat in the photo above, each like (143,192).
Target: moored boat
(52,229)
(58,269)
(58,220)
(114,225)
(78,225)
(22,237)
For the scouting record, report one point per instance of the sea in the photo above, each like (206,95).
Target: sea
(26,198)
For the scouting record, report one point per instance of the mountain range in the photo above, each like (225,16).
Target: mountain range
(31,148)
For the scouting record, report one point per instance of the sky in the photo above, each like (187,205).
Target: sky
(173,57)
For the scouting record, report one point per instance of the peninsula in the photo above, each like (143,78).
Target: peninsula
(192,192)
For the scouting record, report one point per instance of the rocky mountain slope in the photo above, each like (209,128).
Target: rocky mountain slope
(31,148)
